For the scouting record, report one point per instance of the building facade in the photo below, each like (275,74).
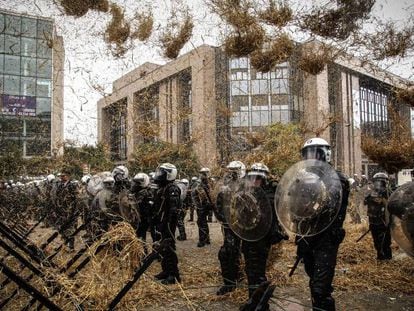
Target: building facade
(210,100)
(31,85)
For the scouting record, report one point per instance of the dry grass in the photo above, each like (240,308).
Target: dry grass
(117,31)
(392,152)
(406,95)
(175,36)
(145,25)
(340,22)
(313,61)
(242,42)
(78,8)
(279,51)
(95,286)
(237,13)
(389,41)
(278,15)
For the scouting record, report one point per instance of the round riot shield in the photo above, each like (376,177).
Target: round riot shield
(102,200)
(128,207)
(183,189)
(308,197)
(95,184)
(248,212)
(401,215)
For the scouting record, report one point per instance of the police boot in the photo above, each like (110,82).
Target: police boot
(201,244)
(225,289)
(326,303)
(171,279)
(161,276)
(182,236)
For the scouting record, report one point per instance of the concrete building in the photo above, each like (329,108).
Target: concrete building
(211,100)
(31,85)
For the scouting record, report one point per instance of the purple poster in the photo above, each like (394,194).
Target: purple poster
(18,105)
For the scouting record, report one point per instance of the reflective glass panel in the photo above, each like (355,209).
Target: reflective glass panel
(29,27)
(11,85)
(28,47)
(28,86)
(12,64)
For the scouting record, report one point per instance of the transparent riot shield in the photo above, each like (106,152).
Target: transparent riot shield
(247,211)
(308,197)
(401,216)
(95,184)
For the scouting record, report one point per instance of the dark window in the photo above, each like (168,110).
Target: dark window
(374,113)
(117,113)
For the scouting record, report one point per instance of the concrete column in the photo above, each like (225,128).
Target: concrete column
(316,102)
(57,117)
(163,111)
(204,109)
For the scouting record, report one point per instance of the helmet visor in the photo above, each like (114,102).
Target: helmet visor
(321,153)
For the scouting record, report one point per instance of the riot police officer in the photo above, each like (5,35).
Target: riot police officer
(142,193)
(229,253)
(66,208)
(183,184)
(120,175)
(167,202)
(201,198)
(193,184)
(256,252)
(319,252)
(376,202)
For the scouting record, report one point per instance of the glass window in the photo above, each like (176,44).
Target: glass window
(239,62)
(259,87)
(239,103)
(10,144)
(44,68)
(264,118)
(44,87)
(37,126)
(2,47)
(28,66)
(239,87)
(29,27)
(255,118)
(1,63)
(12,24)
(12,64)
(28,47)
(43,49)
(43,106)
(37,147)
(11,45)
(44,29)
(12,85)
(2,23)
(283,86)
(28,86)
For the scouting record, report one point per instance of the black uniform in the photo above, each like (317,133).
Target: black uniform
(229,254)
(319,254)
(380,231)
(167,202)
(201,200)
(66,210)
(145,208)
(256,253)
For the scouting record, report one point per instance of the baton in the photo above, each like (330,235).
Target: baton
(362,236)
(295,265)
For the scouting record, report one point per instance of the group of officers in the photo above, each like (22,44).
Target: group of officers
(158,203)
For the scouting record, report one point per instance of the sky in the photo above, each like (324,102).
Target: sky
(90,68)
